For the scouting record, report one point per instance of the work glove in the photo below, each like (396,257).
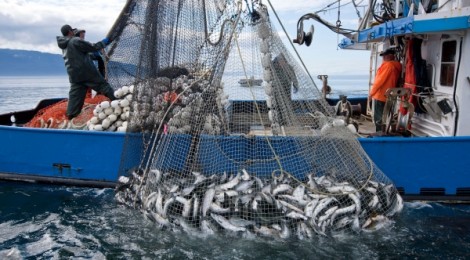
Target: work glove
(106,41)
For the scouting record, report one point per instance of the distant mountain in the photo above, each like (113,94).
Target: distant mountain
(30,63)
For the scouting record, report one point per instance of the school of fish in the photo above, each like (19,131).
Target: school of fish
(280,207)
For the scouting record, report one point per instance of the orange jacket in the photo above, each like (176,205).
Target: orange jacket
(386,77)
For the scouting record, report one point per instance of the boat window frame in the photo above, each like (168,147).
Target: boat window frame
(447,62)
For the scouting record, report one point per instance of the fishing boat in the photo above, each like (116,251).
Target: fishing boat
(423,151)
(424,148)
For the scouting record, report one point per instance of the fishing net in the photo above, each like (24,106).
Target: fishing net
(236,136)
(54,116)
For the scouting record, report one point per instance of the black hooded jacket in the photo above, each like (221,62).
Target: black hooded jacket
(78,63)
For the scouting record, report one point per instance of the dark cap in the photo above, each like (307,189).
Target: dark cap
(387,52)
(77,32)
(65,29)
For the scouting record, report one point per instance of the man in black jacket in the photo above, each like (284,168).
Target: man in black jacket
(95,56)
(81,70)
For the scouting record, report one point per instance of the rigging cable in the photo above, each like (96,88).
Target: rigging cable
(290,41)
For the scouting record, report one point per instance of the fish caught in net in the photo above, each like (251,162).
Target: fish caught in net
(236,136)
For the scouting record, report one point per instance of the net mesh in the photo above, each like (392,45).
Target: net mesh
(235,135)
(54,116)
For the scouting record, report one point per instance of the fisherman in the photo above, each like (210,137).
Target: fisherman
(96,55)
(387,77)
(284,80)
(344,108)
(82,73)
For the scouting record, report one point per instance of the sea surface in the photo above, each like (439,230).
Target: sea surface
(56,222)
(20,93)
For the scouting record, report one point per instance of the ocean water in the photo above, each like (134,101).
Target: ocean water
(51,222)
(20,93)
(56,222)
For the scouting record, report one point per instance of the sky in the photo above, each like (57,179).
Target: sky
(34,25)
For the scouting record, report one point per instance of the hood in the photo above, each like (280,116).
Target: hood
(63,41)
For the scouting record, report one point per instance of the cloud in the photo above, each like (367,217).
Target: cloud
(33,25)
(300,6)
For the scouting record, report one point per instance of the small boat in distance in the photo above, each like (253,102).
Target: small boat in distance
(250,82)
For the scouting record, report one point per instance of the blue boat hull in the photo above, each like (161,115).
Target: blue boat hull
(424,168)
(63,156)
(428,166)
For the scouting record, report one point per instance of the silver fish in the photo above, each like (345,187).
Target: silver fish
(207,201)
(343,222)
(230,184)
(296,215)
(218,209)
(160,220)
(344,210)
(174,188)
(166,206)
(223,177)
(398,206)
(245,175)
(341,189)
(254,204)
(321,205)
(243,186)
(240,222)
(281,188)
(276,227)
(290,206)
(266,231)
(356,224)
(375,223)
(155,176)
(159,203)
(304,230)
(356,200)
(199,178)
(186,191)
(266,189)
(327,214)
(299,193)
(294,200)
(267,197)
(186,206)
(308,210)
(223,222)
(259,182)
(195,206)
(123,179)
(373,202)
(207,227)
(231,193)
(285,231)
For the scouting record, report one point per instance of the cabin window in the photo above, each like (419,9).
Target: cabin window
(449,50)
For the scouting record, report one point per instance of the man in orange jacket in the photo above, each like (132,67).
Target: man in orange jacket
(386,77)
